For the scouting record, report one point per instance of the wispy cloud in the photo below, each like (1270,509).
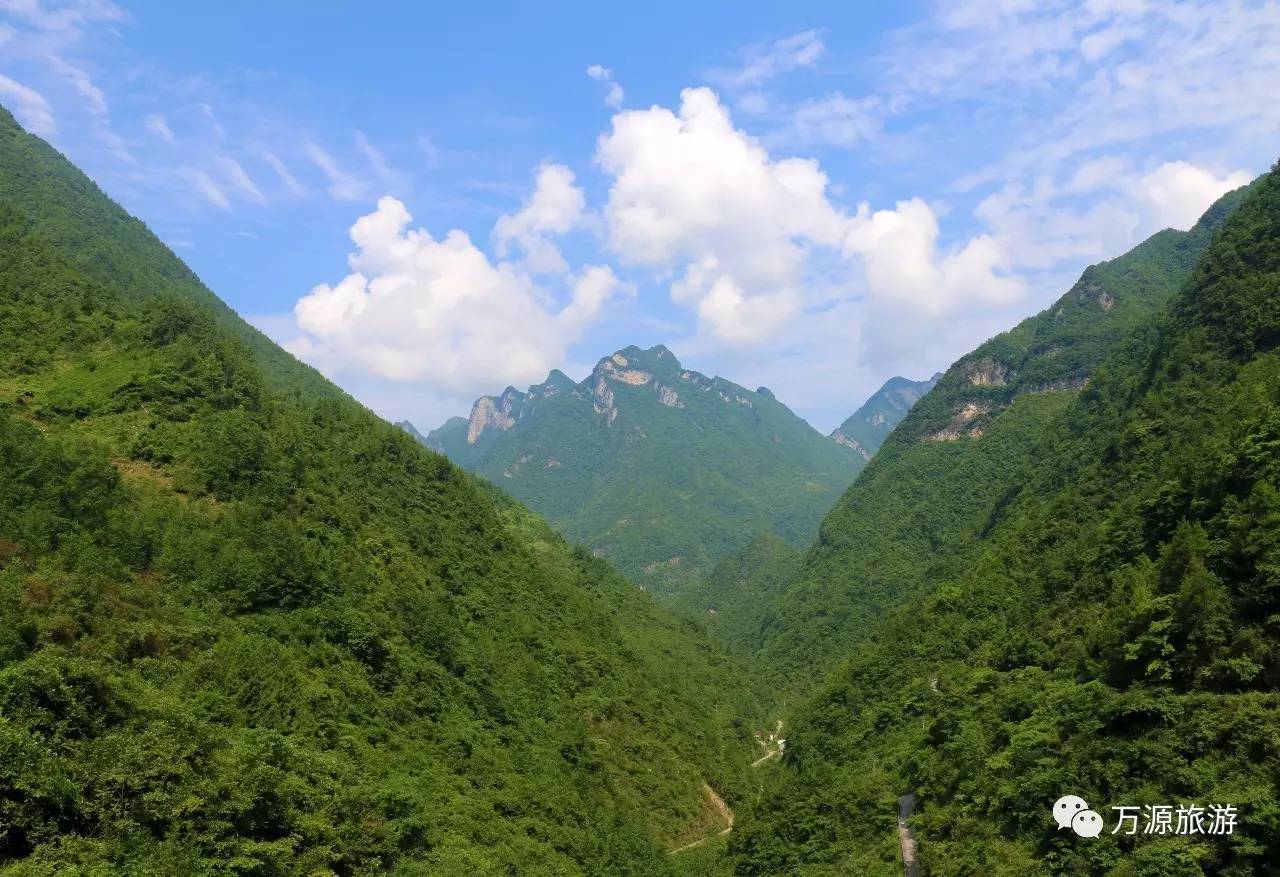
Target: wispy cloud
(764,62)
(82,83)
(157,125)
(204,186)
(342,185)
(30,106)
(378,163)
(282,171)
(236,175)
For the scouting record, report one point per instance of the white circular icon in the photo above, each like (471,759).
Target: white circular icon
(1066,808)
(1087,823)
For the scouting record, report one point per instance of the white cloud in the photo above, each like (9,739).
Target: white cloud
(240,179)
(377,161)
(766,62)
(342,185)
(157,125)
(30,106)
(837,120)
(1103,208)
(429,150)
(67,17)
(613,95)
(206,187)
(692,193)
(1178,192)
(904,264)
(282,171)
(82,83)
(555,208)
(439,312)
(745,234)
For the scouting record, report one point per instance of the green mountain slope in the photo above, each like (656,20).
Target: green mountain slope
(907,521)
(866,429)
(1113,633)
(736,597)
(248,628)
(660,470)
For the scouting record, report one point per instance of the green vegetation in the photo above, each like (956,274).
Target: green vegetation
(660,470)
(734,599)
(1113,631)
(867,428)
(915,511)
(247,628)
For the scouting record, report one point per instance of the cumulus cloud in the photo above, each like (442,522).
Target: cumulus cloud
(30,106)
(694,196)
(1178,192)
(904,264)
(555,208)
(440,312)
(613,91)
(692,193)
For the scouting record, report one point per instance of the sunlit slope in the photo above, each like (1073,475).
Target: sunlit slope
(931,489)
(1111,633)
(248,628)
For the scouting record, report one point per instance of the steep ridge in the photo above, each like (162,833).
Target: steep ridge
(246,627)
(931,488)
(102,241)
(1112,633)
(866,429)
(659,469)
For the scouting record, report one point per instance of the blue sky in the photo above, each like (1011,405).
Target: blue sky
(813,197)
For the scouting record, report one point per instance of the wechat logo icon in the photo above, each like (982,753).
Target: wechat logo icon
(1071,811)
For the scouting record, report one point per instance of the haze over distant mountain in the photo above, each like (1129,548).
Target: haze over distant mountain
(659,469)
(868,427)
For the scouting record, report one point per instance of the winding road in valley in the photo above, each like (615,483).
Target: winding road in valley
(775,745)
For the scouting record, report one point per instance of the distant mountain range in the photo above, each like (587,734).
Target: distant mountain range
(660,469)
(868,427)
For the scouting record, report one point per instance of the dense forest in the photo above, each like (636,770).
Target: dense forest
(921,503)
(662,471)
(246,627)
(1111,632)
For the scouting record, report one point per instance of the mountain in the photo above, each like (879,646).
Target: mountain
(659,469)
(248,628)
(1111,630)
(954,459)
(868,427)
(735,598)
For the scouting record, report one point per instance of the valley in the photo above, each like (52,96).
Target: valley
(648,622)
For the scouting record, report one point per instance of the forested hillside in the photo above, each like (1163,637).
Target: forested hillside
(1111,633)
(917,508)
(248,628)
(658,469)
